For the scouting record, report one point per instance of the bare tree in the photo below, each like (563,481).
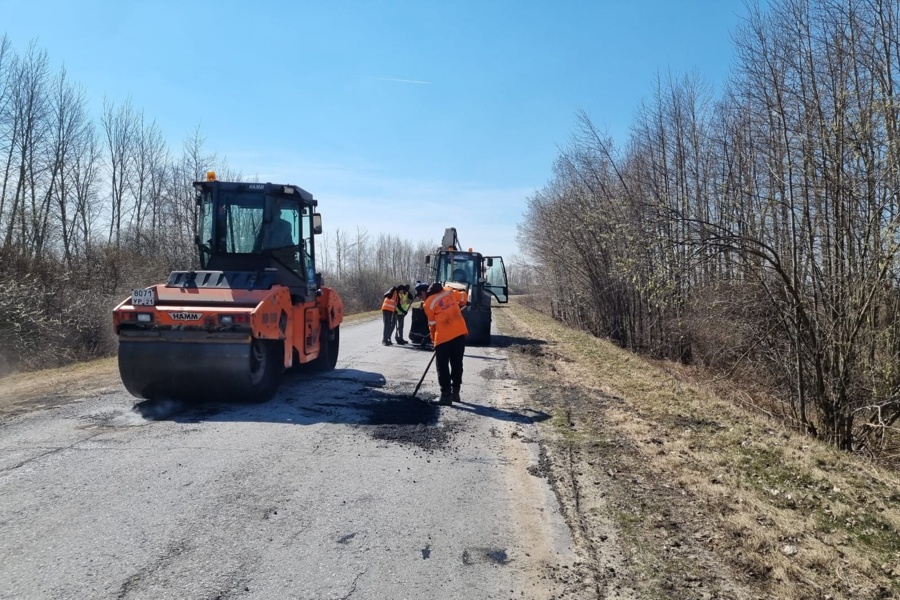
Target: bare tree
(29,108)
(150,159)
(85,200)
(120,126)
(8,130)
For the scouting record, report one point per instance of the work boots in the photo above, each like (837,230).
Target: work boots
(446,398)
(455,393)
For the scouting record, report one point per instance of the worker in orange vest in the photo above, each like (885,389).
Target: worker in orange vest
(388,307)
(448,333)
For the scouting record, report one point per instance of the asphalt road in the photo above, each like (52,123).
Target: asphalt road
(342,486)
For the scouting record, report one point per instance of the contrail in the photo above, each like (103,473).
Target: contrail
(404,80)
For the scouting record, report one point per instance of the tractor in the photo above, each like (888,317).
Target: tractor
(483,278)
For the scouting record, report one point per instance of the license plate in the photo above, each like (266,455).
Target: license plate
(143,297)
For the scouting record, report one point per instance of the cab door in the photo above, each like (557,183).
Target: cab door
(495,280)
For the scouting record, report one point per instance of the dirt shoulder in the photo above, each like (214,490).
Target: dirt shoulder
(25,392)
(672,492)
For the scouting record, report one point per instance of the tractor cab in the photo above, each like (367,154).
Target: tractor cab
(472,270)
(259,227)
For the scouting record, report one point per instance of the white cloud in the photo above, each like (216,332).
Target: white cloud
(402,80)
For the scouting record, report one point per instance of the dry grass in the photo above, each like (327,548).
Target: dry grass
(362,316)
(24,392)
(763,511)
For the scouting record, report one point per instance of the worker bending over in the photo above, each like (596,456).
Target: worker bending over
(448,333)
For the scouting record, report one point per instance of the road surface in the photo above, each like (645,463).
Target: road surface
(342,486)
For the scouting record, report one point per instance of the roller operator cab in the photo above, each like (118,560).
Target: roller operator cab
(255,307)
(482,277)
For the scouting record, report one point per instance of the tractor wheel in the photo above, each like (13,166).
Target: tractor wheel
(479,333)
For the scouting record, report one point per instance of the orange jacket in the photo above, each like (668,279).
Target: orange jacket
(445,320)
(390,302)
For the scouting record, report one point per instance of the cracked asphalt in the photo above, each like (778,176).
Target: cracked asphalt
(342,486)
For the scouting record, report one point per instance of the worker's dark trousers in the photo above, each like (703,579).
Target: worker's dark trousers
(388,317)
(449,358)
(398,318)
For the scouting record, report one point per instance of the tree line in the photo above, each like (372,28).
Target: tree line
(755,231)
(87,208)
(92,207)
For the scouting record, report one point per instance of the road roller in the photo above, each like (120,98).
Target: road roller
(255,307)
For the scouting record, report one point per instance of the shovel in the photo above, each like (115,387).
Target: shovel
(418,385)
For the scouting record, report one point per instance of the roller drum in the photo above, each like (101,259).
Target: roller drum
(198,366)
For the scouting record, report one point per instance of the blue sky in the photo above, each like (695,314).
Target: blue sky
(401,117)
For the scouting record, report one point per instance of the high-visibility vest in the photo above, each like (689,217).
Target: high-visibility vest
(445,320)
(390,303)
(403,302)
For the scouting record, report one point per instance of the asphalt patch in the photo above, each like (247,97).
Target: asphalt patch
(407,421)
(399,410)
(497,556)
(182,411)
(160,409)
(424,436)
